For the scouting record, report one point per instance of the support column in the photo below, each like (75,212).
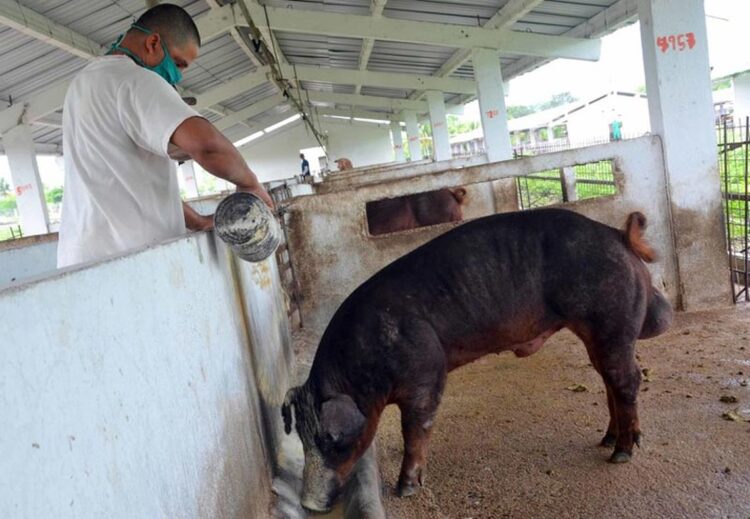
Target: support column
(489,80)
(412,134)
(187,170)
(32,207)
(398,141)
(741,86)
(441,143)
(678,83)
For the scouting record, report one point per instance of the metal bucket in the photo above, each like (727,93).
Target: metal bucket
(245,223)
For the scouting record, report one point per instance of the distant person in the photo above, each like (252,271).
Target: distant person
(305,165)
(617,130)
(121,117)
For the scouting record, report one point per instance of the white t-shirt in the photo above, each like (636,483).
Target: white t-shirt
(121,189)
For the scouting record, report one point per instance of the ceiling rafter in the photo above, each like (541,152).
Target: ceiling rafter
(608,20)
(376,11)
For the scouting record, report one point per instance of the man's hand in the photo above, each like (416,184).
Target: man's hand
(260,193)
(196,221)
(208,147)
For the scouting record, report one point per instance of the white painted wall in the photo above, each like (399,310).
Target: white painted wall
(592,122)
(277,155)
(136,387)
(741,86)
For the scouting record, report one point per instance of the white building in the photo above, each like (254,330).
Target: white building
(572,125)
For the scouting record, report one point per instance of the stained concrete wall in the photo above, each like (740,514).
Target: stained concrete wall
(333,252)
(144,386)
(277,156)
(385,173)
(27,257)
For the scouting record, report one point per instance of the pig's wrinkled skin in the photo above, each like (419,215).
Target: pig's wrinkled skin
(502,283)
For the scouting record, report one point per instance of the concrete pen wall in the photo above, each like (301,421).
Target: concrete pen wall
(143,386)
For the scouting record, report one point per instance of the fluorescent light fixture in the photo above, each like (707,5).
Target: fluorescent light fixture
(374,121)
(249,138)
(282,123)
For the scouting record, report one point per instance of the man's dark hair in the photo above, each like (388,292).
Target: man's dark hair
(173,23)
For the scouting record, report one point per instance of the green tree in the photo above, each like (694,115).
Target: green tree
(8,203)
(721,84)
(563,98)
(514,112)
(54,195)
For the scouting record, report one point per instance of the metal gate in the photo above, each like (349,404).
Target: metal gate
(734,152)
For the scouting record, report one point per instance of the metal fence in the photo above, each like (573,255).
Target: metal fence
(734,150)
(556,186)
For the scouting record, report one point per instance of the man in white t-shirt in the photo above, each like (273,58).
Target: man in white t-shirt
(121,115)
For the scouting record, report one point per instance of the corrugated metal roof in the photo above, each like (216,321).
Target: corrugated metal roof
(27,65)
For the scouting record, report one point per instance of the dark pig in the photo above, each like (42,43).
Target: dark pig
(418,210)
(502,283)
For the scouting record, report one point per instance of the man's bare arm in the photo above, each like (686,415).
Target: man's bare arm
(196,221)
(208,147)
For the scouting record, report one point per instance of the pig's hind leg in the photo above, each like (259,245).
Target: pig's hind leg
(614,359)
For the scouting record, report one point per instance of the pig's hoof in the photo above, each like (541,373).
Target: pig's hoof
(620,457)
(637,438)
(407,489)
(608,440)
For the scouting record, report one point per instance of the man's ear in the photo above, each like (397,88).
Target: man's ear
(152,43)
(341,419)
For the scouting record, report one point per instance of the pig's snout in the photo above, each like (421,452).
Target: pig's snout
(320,486)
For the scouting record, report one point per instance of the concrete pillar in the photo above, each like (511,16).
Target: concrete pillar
(568,181)
(489,80)
(398,142)
(675,52)
(741,86)
(187,170)
(32,207)
(412,134)
(441,143)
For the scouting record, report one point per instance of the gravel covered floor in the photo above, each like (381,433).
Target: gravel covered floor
(511,441)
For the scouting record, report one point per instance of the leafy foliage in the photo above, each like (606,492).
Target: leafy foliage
(54,195)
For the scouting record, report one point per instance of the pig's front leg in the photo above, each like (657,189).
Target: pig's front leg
(417,418)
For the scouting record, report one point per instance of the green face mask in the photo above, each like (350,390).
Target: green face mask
(166,68)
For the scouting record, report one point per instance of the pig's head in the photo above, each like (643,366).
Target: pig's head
(332,430)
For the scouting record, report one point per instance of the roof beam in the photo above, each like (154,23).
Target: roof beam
(251,111)
(376,11)
(218,20)
(456,36)
(360,114)
(381,79)
(38,106)
(38,26)
(232,88)
(364,100)
(611,18)
(509,14)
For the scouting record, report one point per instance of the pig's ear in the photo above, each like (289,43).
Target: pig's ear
(341,419)
(286,409)
(459,194)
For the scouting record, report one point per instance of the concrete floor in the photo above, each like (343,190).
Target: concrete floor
(511,441)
